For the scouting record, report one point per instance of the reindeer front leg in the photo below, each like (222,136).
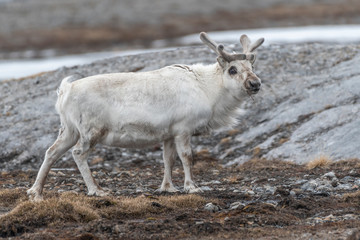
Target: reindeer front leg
(169,156)
(183,149)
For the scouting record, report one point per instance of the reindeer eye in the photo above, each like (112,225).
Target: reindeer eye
(232,70)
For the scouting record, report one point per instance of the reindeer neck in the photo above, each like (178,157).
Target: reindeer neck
(225,100)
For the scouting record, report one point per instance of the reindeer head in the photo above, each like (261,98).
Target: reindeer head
(237,68)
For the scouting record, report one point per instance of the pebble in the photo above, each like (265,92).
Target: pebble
(300,181)
(251,192)
(357,182)
(347,179)
(212,207)
(236,205)
(345,186)
(79,182)
(119,228)
(310,185)
(215,182)
(270,189)
(123,174)
(272,203)
(206,188)
(324,188)
(329,175)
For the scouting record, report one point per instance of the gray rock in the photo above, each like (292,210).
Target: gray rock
(347,179)
(270,189)
(206,188)
(300,181)
(250,192)
(325,188)
(236,205)
(345,186)
(331,178)
(357,182)
(320,185)
(311,185)
(292,193)
(329,175)
(212,207)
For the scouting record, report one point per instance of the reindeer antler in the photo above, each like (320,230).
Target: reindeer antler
(219,49)
(210,43)
(230,56)
(248,48)
(246,43)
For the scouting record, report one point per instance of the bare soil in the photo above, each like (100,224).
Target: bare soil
(135,211)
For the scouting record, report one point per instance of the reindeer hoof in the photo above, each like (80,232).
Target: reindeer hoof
(99,193)
(34,196)
(193,189)
(169,189)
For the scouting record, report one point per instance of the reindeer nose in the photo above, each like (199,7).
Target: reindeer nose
(255,85)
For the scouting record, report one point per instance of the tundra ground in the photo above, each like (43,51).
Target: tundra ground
(257,200)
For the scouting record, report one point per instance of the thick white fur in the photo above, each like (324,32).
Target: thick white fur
(133,110)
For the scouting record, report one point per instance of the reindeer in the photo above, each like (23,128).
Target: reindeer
(133,110)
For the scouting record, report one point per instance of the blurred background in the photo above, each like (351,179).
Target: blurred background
(41,35)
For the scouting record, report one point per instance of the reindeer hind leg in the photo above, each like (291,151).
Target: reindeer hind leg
(81,153)
(64,142)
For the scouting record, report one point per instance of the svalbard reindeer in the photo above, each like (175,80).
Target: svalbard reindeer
(133,110)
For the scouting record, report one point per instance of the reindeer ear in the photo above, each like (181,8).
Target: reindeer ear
(221,62)
(245,42)
(256,44)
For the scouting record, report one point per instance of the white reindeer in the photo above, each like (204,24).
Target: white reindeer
(133,110)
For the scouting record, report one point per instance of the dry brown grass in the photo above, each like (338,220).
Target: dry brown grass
(256,151)
(283,140)
(319,162)
(347,164)
(233,179)
(183,201)
(9,197)
(72,207)
(354,196)
(69,207)
(147,205)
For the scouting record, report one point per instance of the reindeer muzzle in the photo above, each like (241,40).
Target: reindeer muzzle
(253,85)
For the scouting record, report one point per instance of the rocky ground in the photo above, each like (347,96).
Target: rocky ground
(259,199)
